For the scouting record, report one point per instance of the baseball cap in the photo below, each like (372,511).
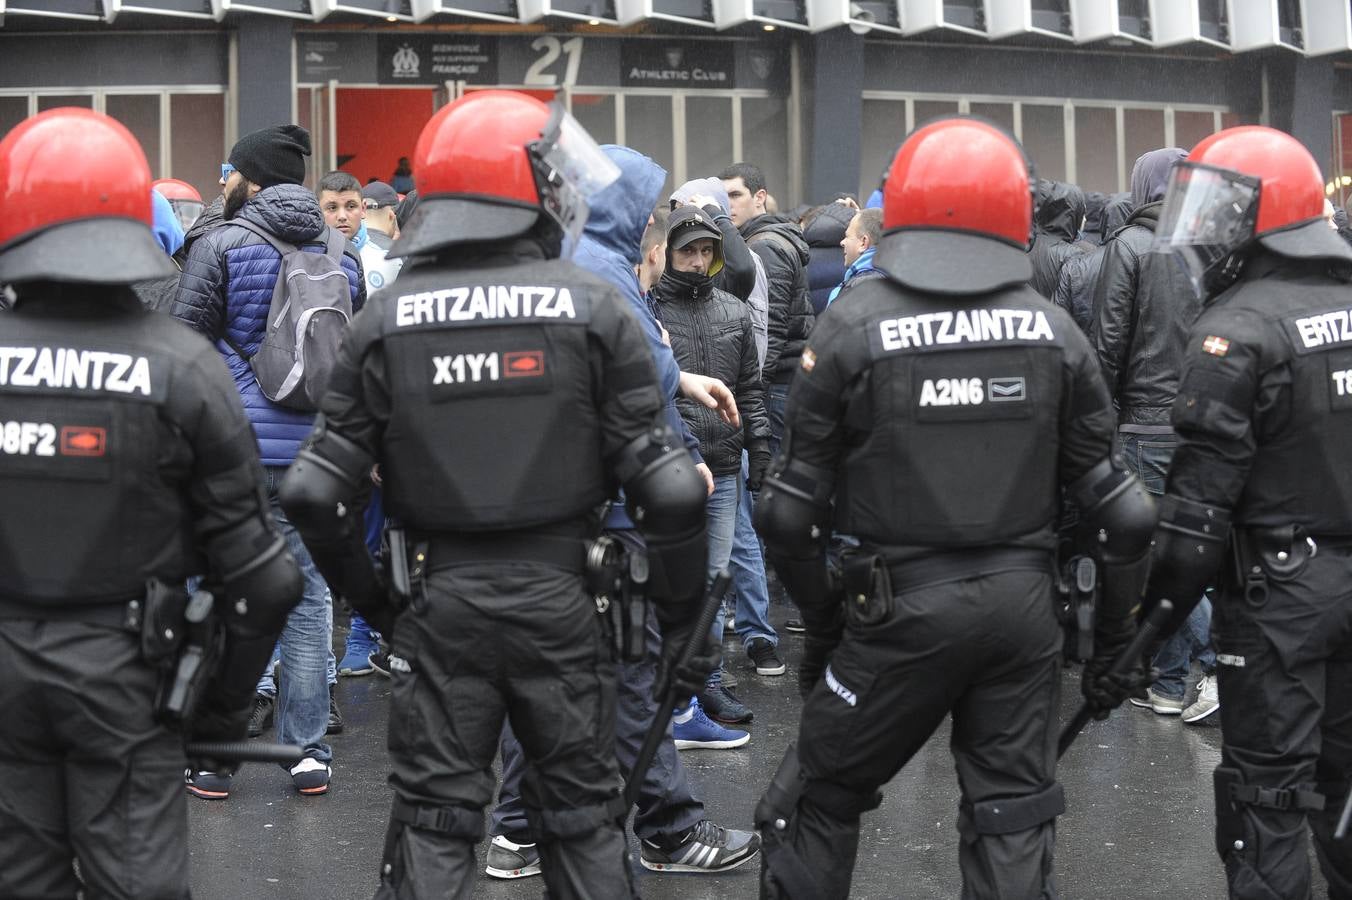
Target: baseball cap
(690,223)
(377,194)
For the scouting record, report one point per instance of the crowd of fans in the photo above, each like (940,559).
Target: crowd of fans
(734,287)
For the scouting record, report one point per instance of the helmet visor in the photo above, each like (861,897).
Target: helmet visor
(1208,214)
(187,212)
(570,170)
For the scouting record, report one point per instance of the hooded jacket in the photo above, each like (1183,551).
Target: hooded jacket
(609,249)
(1143,307)
(826,264)
(226,290)
(1080,274)
(1060,212)
(711,335)
(779,244)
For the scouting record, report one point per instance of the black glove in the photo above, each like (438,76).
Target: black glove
(817,650)
(1105,692)
(758,463)
(689,678)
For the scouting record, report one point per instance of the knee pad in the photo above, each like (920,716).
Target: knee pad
(1007,815)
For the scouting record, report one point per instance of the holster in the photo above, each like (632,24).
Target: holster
(868,588)
(186,678)
(396,563)
(161,621)
(1081,587)
(617,578)
(1262,554)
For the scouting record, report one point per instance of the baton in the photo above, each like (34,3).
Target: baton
(1341,831)
(244,751)
(1121,665)
(666,692)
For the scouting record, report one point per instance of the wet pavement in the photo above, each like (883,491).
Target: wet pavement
(1138,825)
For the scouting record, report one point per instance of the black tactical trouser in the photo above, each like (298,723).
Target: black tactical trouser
(85,771)
(986,649)
(1285,668)
(483,642)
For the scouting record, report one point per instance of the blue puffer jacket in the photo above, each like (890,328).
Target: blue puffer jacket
(226,289)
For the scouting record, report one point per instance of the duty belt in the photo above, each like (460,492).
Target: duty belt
(955,565)
(566,552)
(122,614)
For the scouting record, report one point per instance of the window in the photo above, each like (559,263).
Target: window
(1191,127)
(648,129)
(1143,131)
(708,136)
(884,130)
(929,110)
(596,113)
(1000,114)
(197,140)
(1044,139)
(765,141)
(1096,148)
(13,110)
(56,101)
(141,114)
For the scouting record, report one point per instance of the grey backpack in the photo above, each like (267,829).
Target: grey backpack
(307,319)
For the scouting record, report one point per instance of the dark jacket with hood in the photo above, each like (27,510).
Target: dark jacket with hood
(779,244)
(159,293)
(711,335)
(1075,289)
(826,265)
(609,248)
(1060,212)
(226,291)
(1143,306)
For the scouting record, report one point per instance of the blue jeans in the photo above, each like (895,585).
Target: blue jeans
(1149,455)
(1174,659)
(776,398)
(306,646)
(721,515)
(748,574)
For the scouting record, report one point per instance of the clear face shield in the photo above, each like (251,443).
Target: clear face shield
(187,212)
(570,170)
(1208,214)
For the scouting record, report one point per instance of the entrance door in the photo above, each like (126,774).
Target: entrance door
(378,126)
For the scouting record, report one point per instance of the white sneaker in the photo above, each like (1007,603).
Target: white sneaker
(507,859)
(1207,702)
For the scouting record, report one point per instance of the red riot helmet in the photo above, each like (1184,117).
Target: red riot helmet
(958,209)
(1239,187)
(489,165)
(75,188)
(183,197)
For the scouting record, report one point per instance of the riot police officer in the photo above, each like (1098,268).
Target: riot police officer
(503,392)
(934,418)
(1259,498)
(125,458)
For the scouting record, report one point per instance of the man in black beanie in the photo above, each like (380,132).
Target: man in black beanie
(264,158)
(224,293)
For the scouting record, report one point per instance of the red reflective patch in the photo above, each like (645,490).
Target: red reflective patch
(523,363)
(83,440)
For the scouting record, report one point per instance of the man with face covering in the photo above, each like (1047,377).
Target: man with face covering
(1057,221)
(1144,305)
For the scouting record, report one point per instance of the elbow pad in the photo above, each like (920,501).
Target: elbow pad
(261,579)
(793,512)
(1115,503)
(793,516)
(1189,543)
(322,482)
(666,498)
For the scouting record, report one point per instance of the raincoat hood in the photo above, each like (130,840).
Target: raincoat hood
(1060,210)
(619,214)
(1150,175)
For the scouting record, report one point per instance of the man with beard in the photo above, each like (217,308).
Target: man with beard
(225,293)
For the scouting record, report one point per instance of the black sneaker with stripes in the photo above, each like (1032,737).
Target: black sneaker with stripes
(704,847)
